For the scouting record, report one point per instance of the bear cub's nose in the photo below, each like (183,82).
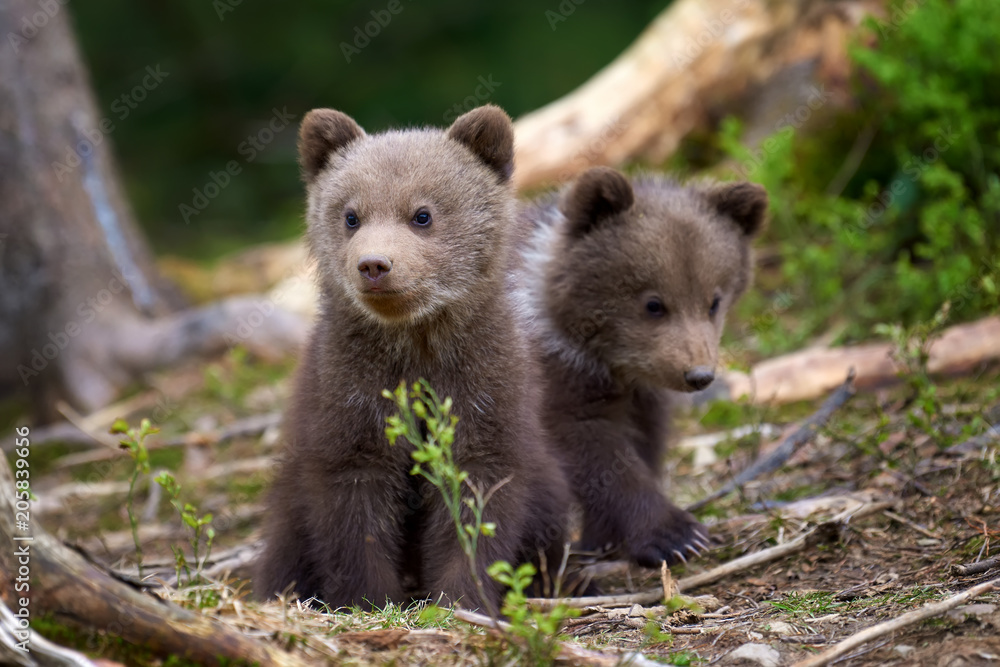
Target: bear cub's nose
(699,377)
(374,267)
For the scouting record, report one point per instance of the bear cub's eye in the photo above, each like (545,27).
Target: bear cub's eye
(351,220)
(655,307)
(713,310)
(422,218)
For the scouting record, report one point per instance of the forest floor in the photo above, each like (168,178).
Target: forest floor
(899,446)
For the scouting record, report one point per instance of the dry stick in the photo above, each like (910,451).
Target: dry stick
(911,524)
(976,443)
(976,568)
(82,433)
(249,426)
(55,499)
(80,422)
(781,454)
(740,564)
(929,610)
(666,580)
(66,585)
(576,655)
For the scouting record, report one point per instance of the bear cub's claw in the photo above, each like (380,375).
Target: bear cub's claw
(674,533)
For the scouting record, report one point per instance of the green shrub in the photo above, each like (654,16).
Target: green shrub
(918,223)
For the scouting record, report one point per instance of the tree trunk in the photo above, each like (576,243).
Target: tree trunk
(82,309)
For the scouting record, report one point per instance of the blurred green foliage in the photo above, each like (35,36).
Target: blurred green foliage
(917,223)
(230,62)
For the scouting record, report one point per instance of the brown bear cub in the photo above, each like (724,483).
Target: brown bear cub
(628,285)
(412,232)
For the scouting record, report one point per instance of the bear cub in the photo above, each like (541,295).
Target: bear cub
(628,284)
(412,233)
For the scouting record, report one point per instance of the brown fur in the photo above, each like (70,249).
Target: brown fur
(347,522)
(603,252)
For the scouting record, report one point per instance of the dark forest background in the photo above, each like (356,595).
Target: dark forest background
(229,65)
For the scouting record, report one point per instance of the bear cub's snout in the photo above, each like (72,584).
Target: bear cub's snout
(374,268)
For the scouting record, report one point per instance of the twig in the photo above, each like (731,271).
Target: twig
(237,560)
(652,596)
(568,652)
(56,499)
(783,452)
(81,423)
(697,630)
(241,427)
(976,443)
(666,580)
(929,610)
(780,551)
(976,568)
(910,524)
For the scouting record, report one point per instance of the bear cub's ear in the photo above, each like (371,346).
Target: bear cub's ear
(744,203)
(598,194)
(489,133)
(323,132)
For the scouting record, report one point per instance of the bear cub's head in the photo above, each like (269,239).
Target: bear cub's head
(407,222)
(642,273)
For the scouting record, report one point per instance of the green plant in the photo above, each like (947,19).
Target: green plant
(911,352)
(436,463)
(200,526)
(134,441)
(537,631)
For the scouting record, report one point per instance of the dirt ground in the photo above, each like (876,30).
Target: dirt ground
(902,450)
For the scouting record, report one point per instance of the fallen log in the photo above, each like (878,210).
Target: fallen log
(813,372)
(697,57)
(71,589)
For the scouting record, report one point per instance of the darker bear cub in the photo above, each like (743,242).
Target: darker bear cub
(412,232)
(628,284)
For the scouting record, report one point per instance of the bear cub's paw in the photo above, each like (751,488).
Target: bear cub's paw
(671,535)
